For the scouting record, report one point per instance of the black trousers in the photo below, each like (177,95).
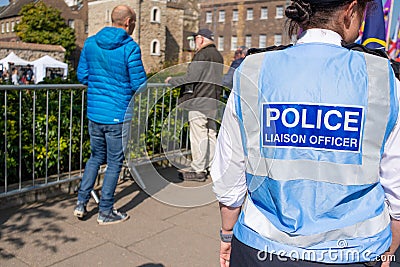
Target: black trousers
(245,256)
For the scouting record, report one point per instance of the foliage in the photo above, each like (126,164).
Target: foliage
(43,147)
(157,127)
(41,24)
(44,132)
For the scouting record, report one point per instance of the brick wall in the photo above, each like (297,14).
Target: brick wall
(243,27)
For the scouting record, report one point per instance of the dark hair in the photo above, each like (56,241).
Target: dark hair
(302,14)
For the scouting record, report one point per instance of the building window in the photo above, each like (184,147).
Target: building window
(13,26)
(155,15)
(220,43)
(221,17)
(71,23)
(86,28)
(264,13)
(208,17)
(235,15)
(249,14)
(278,39)
(279,12)
(234,43)
(247,41)
(192,44)
(7,27)
(2,28)
(108,16)
(262,42)
(155,48)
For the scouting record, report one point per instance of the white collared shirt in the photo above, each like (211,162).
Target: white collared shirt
(228,168)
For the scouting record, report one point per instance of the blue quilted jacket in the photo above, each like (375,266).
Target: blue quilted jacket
(111,65)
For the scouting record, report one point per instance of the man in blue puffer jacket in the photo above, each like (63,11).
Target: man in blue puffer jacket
(111,66)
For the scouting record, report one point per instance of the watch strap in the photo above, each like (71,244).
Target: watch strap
(227,238)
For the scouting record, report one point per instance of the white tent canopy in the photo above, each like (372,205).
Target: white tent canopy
(13,58)
(45,62)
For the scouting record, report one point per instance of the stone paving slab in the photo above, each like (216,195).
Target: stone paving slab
(180,247)
(50,243)
(203,220)
(105,255)
(156,235)
(12,261)
(138,227)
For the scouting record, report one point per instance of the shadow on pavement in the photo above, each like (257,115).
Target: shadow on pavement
(18,222)
(151,265)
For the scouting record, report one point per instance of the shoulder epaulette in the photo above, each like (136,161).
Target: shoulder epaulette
(252,51)
(358,47)
(377,52)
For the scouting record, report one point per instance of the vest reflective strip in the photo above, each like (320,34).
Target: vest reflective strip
(249,78)
(374,130)
(321,171)
(255,220)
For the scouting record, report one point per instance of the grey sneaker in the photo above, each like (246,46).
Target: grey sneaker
(111,217)
(80,210)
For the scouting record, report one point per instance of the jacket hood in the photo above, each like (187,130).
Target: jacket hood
(111,37)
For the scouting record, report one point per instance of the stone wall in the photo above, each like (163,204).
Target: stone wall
(99,16)
(168,32)
(31,52)
(174,31)
(153,31)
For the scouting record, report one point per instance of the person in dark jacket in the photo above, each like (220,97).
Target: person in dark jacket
(201,91)
(111,66)
(238,58)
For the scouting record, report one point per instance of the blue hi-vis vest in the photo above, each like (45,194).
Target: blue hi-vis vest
(314,121)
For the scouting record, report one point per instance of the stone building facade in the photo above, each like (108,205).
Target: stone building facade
(31,52)
(162,28)
(252,23)
(74,13)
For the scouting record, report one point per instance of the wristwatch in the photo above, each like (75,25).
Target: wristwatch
(227,238)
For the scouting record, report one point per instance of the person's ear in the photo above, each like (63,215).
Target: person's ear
(127,22)
(350,14)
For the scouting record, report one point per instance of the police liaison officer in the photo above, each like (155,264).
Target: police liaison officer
(307,163)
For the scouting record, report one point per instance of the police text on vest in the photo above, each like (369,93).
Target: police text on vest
(318,126)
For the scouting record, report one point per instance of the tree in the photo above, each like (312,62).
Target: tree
(41,24)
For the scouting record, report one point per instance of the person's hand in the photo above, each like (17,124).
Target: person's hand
(167,79)
(224,254)
(385,264)
(389,257)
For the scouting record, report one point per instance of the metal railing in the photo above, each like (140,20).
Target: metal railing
(45,140)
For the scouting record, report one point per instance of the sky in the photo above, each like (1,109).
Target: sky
(3,2)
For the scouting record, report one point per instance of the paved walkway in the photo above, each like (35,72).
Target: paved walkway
(156,235)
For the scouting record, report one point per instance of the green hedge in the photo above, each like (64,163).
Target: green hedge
(144,142)
(33,134)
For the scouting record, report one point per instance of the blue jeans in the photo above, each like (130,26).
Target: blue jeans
(106,147)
